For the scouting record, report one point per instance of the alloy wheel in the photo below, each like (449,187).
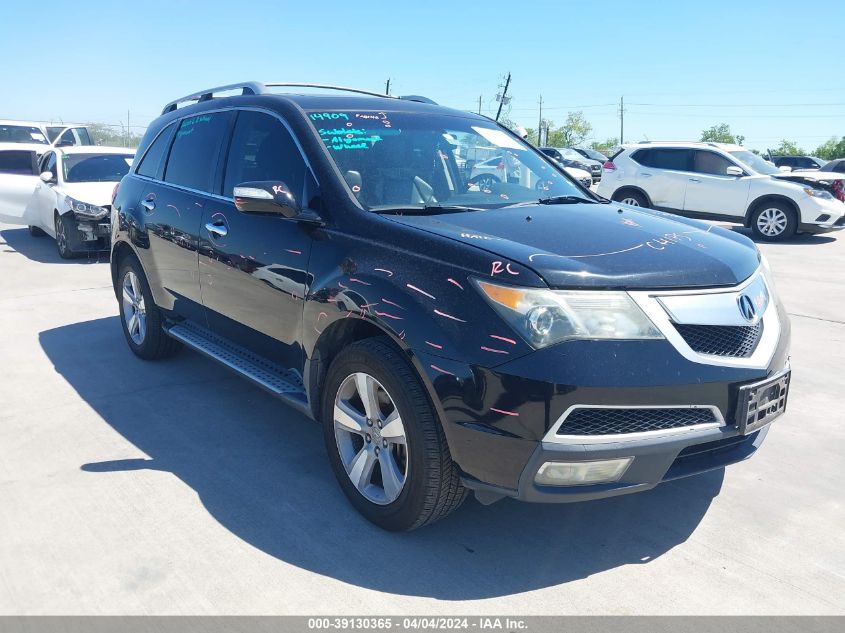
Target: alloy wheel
(134,312)
(61,236)
(772,222)
(632,202)
(370,438)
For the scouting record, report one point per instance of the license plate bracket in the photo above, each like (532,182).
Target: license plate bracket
(761,402)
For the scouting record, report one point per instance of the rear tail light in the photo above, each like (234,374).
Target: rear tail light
(609,166)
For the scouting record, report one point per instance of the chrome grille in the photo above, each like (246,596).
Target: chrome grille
(737,341)
(613,421)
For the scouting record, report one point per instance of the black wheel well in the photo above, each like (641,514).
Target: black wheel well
(632,189)
(335,338)
(766,199)
(119,252)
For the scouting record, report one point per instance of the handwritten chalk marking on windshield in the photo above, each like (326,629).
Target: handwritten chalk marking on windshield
(454,283)
(442,371)
(294,251)
(512,413)
(422,292)
(387,315)
(360,281)
(382,270)
(448,316)
(434,345)
(495,351)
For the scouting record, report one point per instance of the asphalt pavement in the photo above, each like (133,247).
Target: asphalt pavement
(175,487)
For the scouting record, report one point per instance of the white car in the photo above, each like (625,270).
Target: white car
(70,198)
(18,176)
(44,134)
(717,181)
(494,170)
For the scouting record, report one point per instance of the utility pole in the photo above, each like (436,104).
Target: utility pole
(479,104)
(540,125)
(621,120)
(504,96)
(387,87)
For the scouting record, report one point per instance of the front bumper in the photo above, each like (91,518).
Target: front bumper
(500,423)
(822,216)
(88,235)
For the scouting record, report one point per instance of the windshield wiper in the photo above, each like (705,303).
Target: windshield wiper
(553,200)
(427,210)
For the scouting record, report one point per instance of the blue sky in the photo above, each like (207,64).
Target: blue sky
(771,69)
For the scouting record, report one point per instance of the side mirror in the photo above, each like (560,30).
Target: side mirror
(266,196)
(785,168)
(47,176)
(733,170)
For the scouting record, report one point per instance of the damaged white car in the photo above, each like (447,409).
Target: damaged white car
(70,198)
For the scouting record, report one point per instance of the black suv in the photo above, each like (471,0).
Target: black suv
(522,339)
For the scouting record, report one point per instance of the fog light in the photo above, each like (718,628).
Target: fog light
(580,473)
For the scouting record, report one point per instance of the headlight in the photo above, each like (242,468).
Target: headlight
(86,211)
(545,317)
(769,278)
(818,193)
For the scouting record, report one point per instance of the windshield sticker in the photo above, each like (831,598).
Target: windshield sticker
(37,136)
(498,137)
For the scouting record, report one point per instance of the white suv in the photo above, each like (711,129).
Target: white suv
(717,181)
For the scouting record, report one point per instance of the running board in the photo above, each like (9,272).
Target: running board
(283,383)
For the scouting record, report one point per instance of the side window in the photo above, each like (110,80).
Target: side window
(48,163)
(674,159)
(67,139)
(710,163)
(263,149)
(152,165)
(643,157)
(196,148)
(840,167)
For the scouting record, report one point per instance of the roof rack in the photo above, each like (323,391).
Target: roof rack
(257,88)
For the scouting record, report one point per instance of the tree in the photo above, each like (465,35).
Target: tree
(788,148)
(574,132)
(721,134)
(606,146)
(103,134)
(832,148)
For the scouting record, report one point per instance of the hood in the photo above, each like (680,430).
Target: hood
(602,245)
(98,193)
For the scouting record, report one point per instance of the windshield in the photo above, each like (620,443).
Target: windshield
(399,160)
(595,155)
(21,134)
(754,162)
(96,167)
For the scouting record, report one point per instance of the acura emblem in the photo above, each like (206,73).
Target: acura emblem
(747,308)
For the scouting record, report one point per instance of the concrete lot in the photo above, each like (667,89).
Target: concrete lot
(178,488)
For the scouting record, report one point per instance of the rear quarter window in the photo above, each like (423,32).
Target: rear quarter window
(152,164)
(676,159)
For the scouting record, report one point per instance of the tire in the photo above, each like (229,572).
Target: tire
(430,488)
(631,198)
(62,227)
(34,231)
(145,336)
(773,221)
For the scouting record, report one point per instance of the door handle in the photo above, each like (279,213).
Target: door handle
(216,230)
(149,203)
(645,175)
(695,180)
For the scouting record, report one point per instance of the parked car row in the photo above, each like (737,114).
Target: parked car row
(718,181)
(44,134)
(63,192)
(576,159)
